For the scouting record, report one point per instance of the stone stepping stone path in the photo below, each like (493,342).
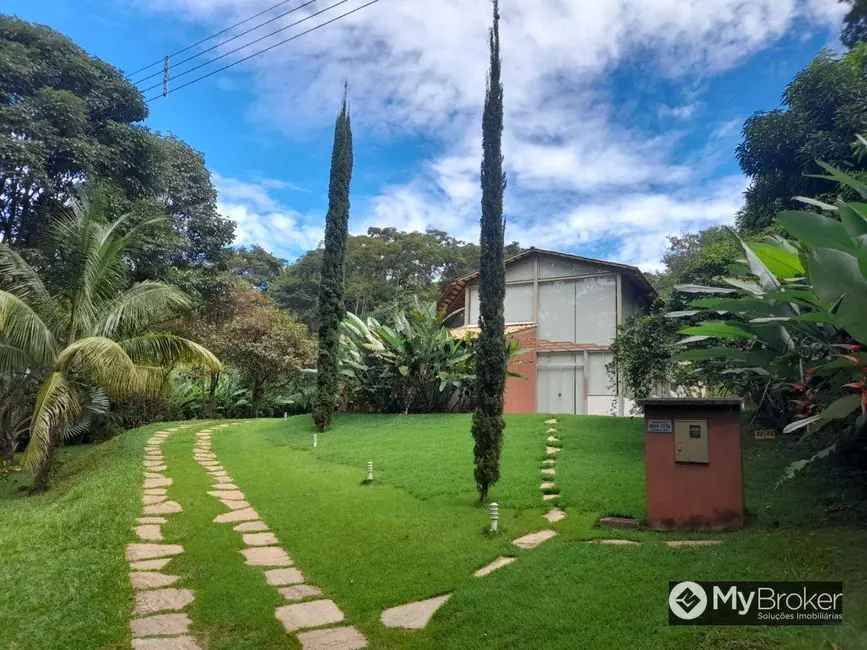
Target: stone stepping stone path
(614,542)
(308,607)
(159,622)
(413,616)
(549,470)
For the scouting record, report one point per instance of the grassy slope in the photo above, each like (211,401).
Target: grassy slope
(63,578)
(413,534)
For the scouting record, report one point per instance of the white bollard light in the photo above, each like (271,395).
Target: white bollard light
(315,440)
(495,517)
(370,470)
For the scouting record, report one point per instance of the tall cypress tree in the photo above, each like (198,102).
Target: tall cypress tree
(331,307)
(491,356)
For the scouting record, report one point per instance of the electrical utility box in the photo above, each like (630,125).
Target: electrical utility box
(693,465)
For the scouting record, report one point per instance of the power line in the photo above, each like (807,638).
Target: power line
(228,40)
(208,38)
(271,47)
(261,38)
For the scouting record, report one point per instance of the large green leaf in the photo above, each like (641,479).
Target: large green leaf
(697,288)
(782,263)
(833,273)
(844,179)
(841,408)
(816,231)
(718,330)
(853,221)
(733,354)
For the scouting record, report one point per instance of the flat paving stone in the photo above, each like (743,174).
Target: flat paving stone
(150,565)
(149,532)
(209,463)
(300,592)
(151,579)
(266,556)
(413,616)
(554,515)
(136,552)
(550,497)
(314,613)
(156,491)
(335,638)
(152,520)
(681,543)
(552,450)
(160,625)
(224,486)
(168,643)
(499,563)
(235,505)
(613,542)
(151,463)
(551,421)
(551,430)
(228,494)
(149,602)
(552,439)
(167,508)
(153,475)
(546,485)
(159,467)
(157,482)
(222,479)
(281,577)
(251,527)
(619,522)
(549,462)
(534,539)
(236,516)
(260,539)
(150,499)
(549,471)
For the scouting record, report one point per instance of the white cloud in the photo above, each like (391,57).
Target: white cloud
(579,172)
(261,219)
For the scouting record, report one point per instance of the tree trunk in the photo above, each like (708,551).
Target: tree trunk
(7,450)
(42,480)
(212,391)
(257,397)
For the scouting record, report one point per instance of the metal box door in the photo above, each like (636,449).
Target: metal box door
(690,441)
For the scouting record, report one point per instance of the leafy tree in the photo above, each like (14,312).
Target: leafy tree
(488,423)
(386,269)
(331,287)
(265,346)
(66,118)
(256,265)
(824,105)
(855,23)
(88,328)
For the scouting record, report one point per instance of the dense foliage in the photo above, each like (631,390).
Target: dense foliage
(824,105)
(67,118)
(86,327)
(488,423)
(331,287)
(854,23)
(385,270)
(799,320)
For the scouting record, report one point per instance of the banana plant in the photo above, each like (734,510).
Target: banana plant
(797,314)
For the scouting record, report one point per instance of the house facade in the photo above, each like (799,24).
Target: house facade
(566,309)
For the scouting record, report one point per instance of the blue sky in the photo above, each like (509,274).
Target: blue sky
(621,116)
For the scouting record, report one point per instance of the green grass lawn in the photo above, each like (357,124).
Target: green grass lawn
(416,533)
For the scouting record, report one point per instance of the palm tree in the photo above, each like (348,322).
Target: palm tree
(87,327)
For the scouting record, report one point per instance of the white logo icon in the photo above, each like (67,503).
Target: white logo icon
(687,600)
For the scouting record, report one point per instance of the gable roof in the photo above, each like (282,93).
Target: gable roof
(456,289)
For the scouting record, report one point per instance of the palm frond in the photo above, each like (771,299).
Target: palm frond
(22,281)
(168,350)
(138,307)
(22,328)
(104,362)
(57,404)
(95,403)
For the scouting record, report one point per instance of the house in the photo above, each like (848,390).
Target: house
(566,309)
